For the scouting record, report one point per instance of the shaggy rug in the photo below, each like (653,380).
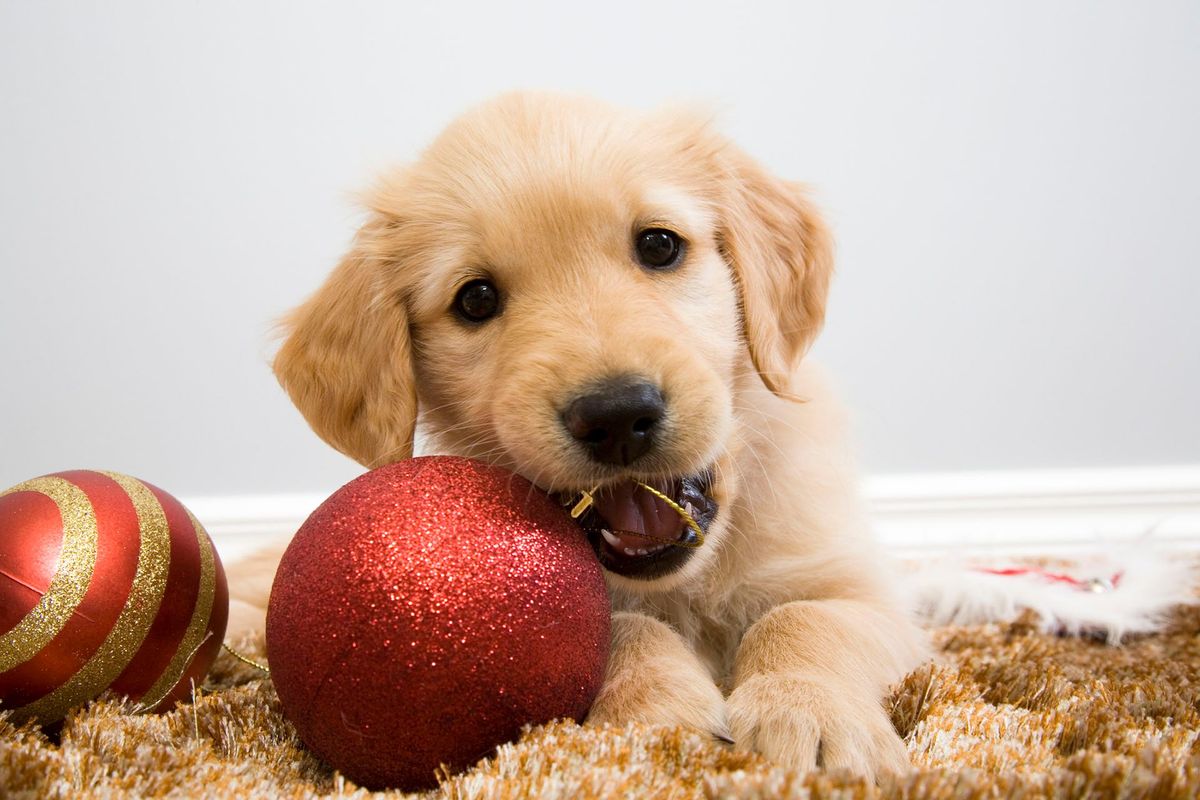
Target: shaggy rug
(1005,711)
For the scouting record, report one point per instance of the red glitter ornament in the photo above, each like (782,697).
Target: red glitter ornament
(106,582)
(427,611)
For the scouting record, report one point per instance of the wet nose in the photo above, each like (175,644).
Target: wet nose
(616,421)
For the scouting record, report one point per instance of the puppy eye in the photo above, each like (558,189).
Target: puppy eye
(478,300)
(658,248)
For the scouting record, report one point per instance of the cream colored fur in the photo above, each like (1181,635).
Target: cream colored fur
(784,631)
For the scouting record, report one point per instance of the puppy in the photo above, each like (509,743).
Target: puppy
(599,299)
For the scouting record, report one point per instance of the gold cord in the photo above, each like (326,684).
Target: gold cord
(687,518)
(248,661)
(587,499)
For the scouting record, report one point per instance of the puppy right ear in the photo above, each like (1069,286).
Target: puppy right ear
(781,253)
(346,361)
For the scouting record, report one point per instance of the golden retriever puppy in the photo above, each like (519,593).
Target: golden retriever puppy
(597,299)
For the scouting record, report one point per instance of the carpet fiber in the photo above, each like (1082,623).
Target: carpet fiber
(1006,711)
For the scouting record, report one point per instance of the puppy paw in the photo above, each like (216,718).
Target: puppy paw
(655,678)
(804,723)
(245,619)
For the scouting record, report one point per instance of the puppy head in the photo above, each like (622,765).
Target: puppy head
(568,290)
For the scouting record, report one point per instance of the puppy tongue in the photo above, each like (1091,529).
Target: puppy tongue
(629,509)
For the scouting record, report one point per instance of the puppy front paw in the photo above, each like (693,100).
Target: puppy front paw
(804,722)
(653,677)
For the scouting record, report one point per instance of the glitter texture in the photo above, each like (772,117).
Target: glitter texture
(114,606)
(197,626)
(428,610)
(75,564)
(123,641)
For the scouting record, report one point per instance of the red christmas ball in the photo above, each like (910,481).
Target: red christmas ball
(106,582)
(427,611)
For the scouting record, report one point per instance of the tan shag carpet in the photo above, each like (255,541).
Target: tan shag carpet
(1006,712)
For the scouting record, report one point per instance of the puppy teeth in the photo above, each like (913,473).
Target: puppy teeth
(608,537)
(629,551)
(690,509)
(643,551)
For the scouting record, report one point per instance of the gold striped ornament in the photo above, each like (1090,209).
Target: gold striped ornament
(106,582)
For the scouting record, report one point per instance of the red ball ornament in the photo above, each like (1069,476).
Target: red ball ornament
(106,582)
(427,611)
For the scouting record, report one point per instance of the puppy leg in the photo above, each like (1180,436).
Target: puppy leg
(809,681)
(250,580)
(653,676)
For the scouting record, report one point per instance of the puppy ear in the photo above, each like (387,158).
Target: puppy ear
(781,253)
(347,362)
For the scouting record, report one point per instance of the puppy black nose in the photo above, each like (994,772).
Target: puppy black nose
(616,421)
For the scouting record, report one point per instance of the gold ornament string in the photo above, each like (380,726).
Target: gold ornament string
(244,659)
(587,499)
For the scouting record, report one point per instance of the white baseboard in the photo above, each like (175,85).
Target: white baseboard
(1015,512)
(1036,511)
(239,524)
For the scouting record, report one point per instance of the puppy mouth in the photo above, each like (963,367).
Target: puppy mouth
(637,534)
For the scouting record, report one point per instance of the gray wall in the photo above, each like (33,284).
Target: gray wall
(1015,187)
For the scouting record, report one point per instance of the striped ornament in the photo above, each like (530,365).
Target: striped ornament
(106,582)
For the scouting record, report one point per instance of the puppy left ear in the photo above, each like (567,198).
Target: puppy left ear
(781,253)
(347,359)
